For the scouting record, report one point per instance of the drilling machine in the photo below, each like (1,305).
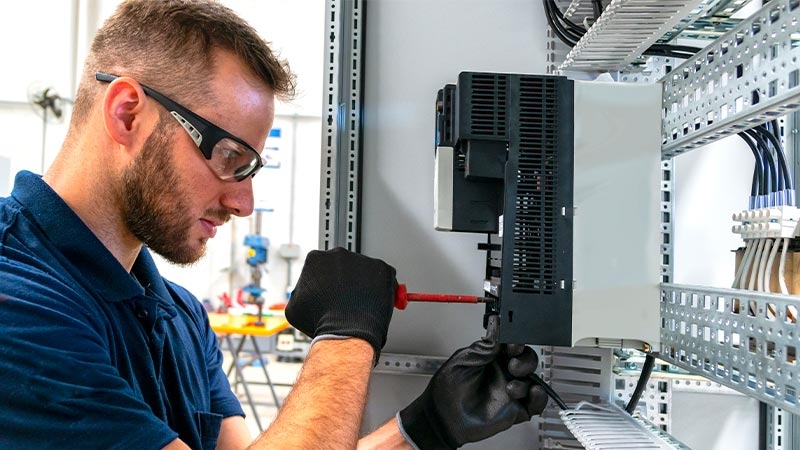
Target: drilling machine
(257,256)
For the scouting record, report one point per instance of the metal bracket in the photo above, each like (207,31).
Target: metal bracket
(399,364)
(667,220)
(341,126)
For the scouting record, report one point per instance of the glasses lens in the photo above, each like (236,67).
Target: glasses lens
(231,159)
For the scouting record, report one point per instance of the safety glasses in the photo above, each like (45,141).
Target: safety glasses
(229,157)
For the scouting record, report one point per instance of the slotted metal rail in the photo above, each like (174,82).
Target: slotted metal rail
(746,77)
(744,340)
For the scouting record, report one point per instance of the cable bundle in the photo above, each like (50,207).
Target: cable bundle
(772,192)
(773,184)
(755,269)
(570,33)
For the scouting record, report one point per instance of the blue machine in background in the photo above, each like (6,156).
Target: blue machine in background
(259,249)
(257,257)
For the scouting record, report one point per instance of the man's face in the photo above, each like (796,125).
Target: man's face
(156,204)
(170,198)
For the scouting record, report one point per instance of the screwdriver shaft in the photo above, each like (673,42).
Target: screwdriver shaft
(446,298)
(402,297)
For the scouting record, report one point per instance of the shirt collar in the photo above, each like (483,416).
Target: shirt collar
(82,248)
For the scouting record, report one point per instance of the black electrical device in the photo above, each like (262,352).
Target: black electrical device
(504,149)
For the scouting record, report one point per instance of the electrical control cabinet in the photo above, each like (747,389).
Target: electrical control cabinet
(571,197)
(379,81)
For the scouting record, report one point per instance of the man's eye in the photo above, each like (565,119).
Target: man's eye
(231,154)
(228,156)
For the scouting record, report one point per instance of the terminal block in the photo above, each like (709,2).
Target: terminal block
(772,222)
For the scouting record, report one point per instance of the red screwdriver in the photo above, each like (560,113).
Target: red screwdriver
(402,297)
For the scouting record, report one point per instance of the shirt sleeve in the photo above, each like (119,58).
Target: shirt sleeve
(58,386)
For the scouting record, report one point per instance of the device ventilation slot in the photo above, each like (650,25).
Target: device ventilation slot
(488,101)
(535,252)
(447,107)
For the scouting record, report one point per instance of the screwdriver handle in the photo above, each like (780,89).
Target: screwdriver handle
(402,297)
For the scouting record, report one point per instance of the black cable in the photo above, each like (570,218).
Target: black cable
(772,136)
(758,174)
(647,369)
(572,26)
(674,51)
(574,29)
(566,30)
(549,391)
(674,47)
(789,175)
(769,138)
(597,8)
(667,54)
(772,181)
(766,181)
(570,33)
(557,28)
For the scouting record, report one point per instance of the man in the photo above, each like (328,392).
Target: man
(99,351)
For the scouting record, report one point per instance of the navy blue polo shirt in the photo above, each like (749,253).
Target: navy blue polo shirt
(92,356)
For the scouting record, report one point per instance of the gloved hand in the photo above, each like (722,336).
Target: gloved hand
(480,391)
(342,294)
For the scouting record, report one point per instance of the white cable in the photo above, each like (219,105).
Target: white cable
(763,264)
(747,262)
(740,271)
(751,286)
(782,266)
(768,270)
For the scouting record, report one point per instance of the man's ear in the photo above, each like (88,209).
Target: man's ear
(125,116)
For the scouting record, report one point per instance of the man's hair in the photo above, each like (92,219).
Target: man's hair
(169,45)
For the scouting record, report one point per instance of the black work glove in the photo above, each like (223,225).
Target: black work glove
(480,391)
(341,294)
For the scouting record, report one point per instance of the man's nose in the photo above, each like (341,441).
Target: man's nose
(238,198)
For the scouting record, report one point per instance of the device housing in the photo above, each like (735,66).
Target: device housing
(565,177)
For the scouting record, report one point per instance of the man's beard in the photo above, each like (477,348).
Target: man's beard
(154,206)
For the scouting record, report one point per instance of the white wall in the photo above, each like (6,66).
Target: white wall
(36,52)
(711,183)
(44,43)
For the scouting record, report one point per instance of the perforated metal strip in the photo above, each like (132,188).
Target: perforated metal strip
(341,126)
(667,220)
(747,76)
(744,340)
